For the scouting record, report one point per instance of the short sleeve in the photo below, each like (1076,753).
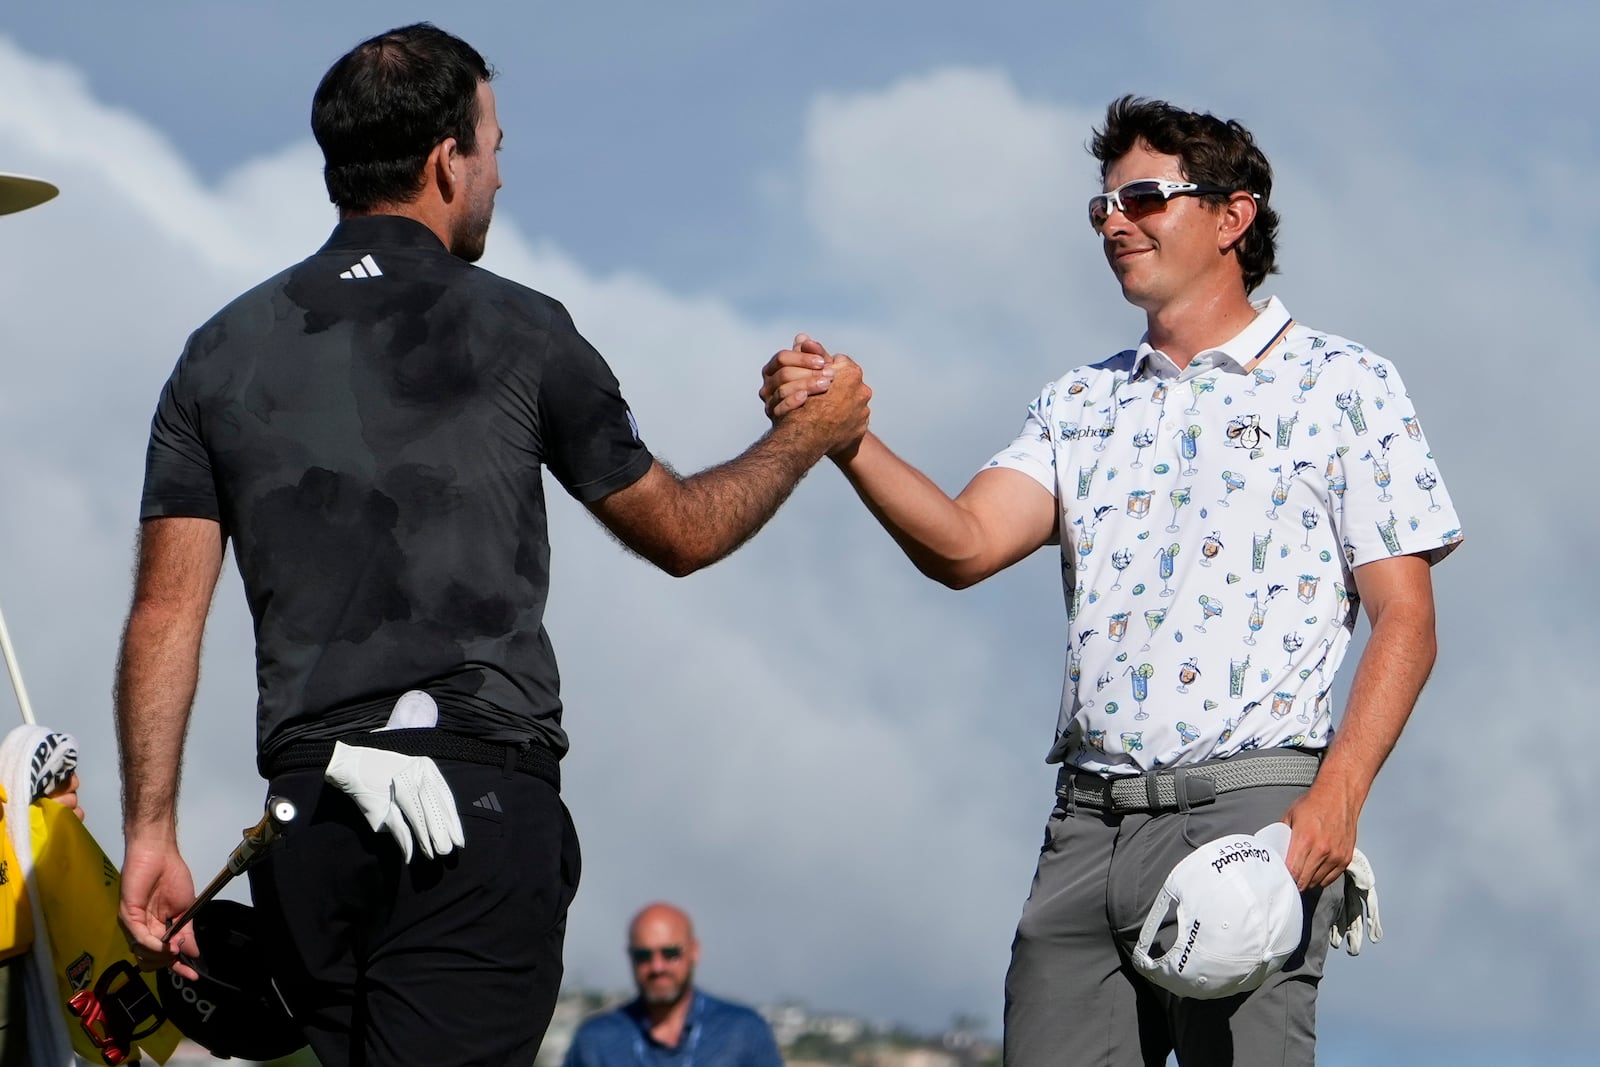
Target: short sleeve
(1394,502)
(591,441)
(178,479)
(1033,453)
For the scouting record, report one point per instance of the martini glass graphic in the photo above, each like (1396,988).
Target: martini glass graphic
(1231,484)
(1262,376)
(1153,619)
(1180,497)
(1210,608)
(1199,387)
(1426,481)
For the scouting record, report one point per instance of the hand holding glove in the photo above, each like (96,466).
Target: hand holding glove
(406,795)
(1360,908)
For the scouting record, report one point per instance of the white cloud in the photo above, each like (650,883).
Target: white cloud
(833,763)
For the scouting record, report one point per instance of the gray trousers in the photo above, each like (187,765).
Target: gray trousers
(1072,996)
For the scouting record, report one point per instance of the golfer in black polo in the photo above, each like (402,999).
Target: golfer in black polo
(370,429)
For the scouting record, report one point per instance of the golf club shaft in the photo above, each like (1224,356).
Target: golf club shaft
(16,673)
(279,813)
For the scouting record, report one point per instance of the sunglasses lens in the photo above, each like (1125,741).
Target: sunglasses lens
(1099,211)
(1141,199)
(642,956)
(671,952)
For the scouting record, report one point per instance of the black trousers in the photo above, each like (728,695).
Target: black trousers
(445,961)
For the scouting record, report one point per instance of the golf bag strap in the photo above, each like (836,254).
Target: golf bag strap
(535,760)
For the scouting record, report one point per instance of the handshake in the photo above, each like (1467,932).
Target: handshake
(838,411)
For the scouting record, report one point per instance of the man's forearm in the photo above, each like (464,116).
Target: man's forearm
(1394,666)
(156,678)
(935,532)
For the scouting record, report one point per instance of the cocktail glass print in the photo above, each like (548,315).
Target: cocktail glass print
(1349,403)
(1237,669)
(1380,475)
(1427,481)
(1258,549)
(1085,545)
(1255,620)
(1141,441)
(1188,445)
(1187,673)
(1280,492)
(1262,376)
(1141,687)
(1210,608)
(1413,427)
(1086,479)
(1308,382)
(1292,642)
(1117,626)
(1391,540)
(1179,497)
(1166,556)
(1382,371)
(1138,503)
(1121,559)
(1199,387)
(1153,618)
(1231,483)
(1210,547)
(1306,590)
(1309,518)
(1107,428)
(1282,704)
(1285,433)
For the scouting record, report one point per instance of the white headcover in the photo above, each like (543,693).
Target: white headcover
(1239,917)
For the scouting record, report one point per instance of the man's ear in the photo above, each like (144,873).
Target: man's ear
(1234,220)
(444,164)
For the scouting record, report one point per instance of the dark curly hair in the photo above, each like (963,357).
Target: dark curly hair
(1212,152)
(383,107)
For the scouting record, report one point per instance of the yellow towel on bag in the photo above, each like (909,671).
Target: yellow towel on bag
(78,891)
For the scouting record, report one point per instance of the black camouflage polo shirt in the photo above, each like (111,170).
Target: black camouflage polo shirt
(370,428)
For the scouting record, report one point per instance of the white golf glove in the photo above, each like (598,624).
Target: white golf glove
(1359,913)
(405,795)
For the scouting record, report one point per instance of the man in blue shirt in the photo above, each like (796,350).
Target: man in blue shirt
(671,1023)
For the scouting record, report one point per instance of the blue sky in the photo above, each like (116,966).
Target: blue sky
(836,766)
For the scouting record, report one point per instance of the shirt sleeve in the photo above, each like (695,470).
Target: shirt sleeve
(591,441)
(1395,502)
(178,478)
(762,1046)
(1033,452)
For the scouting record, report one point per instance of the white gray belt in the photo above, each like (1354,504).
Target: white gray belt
(1184,787)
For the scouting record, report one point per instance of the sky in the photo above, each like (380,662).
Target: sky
(833,764)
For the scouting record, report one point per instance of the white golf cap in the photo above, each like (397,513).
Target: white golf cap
(18,192)
(1239,917)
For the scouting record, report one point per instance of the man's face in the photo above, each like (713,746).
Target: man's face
(480,181)
(1168,254)
(663,953)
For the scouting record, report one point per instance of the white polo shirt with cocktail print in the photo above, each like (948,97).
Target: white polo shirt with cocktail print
(1210,522)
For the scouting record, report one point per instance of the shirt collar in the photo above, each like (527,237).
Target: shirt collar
(1233,355)
(382,231)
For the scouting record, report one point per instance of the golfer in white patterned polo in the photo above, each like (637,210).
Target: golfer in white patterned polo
(1225,495)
